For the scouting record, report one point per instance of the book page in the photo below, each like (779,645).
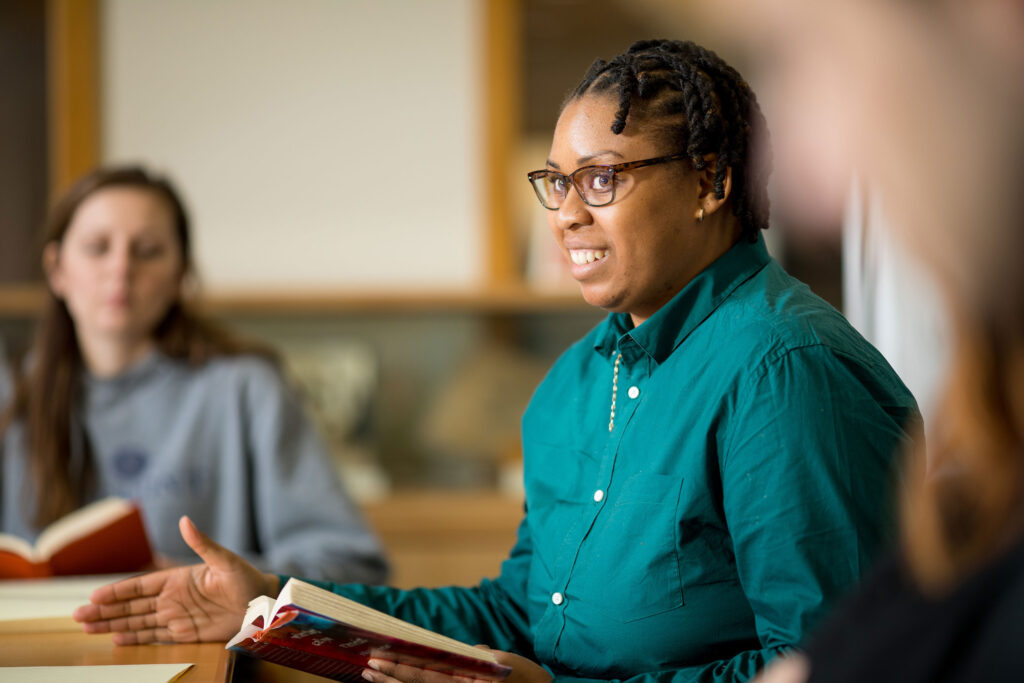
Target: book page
(350,612)
(259,609)
(17,546)
(114,673)
(38,605)
(80,523)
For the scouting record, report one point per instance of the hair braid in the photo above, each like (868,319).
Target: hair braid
(702,106)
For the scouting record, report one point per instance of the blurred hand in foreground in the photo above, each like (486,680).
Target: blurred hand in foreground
(790,668)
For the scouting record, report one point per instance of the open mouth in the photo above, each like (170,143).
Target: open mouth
(583,256)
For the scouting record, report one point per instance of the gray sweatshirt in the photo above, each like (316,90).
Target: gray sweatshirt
(226,443)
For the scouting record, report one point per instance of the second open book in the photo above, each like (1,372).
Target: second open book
(105,537)
(315,630)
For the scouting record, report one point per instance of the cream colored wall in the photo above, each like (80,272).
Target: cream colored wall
(320,143)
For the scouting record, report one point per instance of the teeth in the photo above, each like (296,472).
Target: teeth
(581,256)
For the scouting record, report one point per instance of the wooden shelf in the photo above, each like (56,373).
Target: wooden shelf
(18,301)
(25,300)
(445,538)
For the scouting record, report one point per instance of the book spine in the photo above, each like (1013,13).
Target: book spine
(335,669)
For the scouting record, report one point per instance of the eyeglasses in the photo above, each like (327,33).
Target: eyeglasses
(595,184)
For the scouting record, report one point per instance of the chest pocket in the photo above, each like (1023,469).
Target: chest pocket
(628,567)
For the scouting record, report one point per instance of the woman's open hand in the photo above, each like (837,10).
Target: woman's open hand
(200,602)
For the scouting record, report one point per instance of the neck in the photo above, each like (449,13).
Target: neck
(108,357)
(723,236)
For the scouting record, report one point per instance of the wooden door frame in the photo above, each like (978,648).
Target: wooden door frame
(73,90)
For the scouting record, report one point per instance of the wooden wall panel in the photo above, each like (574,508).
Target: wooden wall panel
(73,83)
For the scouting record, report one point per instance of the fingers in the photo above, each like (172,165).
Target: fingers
(789,668)
(115,609)
(208,550)
(146,628)
(137,624)
(384,671)
(107,611)
(122,590)
(146,585)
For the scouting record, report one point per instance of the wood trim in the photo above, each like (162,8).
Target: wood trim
(502,112)
(72,29)
(20,301)
(512,300)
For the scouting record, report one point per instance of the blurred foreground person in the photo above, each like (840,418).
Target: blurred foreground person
(931,117)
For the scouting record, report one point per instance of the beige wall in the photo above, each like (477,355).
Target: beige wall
(320,143)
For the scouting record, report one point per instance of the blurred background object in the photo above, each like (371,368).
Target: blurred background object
(476,416)
(340,380)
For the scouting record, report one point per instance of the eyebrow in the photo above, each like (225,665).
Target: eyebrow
(582,161)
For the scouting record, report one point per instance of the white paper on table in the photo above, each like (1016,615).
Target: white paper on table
(37,605)
(115,673)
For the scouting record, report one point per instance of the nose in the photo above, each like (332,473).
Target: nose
(573,212)
(121,261)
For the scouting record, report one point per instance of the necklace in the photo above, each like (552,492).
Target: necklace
(615,388)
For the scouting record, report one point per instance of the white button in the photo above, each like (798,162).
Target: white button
(598,496)
(633,392)
(557,598)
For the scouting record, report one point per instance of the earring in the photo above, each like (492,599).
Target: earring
(700,215)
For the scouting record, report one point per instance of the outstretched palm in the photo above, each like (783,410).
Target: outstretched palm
(201,602)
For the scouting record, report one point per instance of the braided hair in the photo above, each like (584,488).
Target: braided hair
(702,106)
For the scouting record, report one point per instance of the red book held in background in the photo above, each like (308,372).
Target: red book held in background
(105,537)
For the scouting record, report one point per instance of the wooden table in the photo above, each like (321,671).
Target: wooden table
(213,664)
(433,538)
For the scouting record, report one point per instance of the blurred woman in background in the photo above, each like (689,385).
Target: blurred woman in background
(126,392)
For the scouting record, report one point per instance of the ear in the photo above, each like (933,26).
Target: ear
(706,197)
(52,270)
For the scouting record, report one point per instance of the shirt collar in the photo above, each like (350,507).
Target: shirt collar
(670,325)
(101,391)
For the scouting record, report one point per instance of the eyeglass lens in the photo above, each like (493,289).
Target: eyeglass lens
(595,184)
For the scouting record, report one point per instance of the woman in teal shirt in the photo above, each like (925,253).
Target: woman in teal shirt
(705,471)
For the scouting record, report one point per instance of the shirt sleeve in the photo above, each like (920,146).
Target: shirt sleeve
(305,522)
(491,613)
(807,482)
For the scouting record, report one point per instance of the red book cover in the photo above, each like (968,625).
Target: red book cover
(106,537)
(305,639)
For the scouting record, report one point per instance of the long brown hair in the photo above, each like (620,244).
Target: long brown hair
(45,393)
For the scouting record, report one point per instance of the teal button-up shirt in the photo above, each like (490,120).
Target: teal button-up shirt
(744,486)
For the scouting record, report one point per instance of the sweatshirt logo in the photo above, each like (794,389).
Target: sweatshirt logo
(129,464)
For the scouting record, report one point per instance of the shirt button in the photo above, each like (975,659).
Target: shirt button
(633,392)
(557,598)
(598,496)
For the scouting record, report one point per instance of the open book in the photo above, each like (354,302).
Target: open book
(105,537)
(314,630)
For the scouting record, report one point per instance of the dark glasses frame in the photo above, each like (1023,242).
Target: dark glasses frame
(538,178)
